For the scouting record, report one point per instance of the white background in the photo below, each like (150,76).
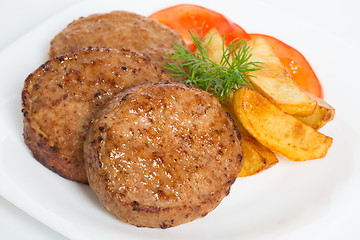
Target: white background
(340,18)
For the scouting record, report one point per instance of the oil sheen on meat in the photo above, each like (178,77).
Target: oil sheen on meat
(60,98)
(118,29)
(160,155)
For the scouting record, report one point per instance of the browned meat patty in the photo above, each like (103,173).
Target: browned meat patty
(160,155)
(118,29)
(60,98)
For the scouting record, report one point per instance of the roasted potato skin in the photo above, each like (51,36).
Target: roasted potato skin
(323,114)
(280,132)
(275,84)
(256,157)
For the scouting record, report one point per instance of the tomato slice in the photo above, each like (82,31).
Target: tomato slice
(185,17)
(296,64)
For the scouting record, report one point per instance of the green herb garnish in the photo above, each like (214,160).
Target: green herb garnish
(219,79)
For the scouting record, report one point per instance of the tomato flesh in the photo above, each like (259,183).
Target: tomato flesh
(296,64)
(185,17)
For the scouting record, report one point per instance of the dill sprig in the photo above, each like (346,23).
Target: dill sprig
(219,79)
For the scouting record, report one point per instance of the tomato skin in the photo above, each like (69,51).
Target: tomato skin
(296,64)
(185,17)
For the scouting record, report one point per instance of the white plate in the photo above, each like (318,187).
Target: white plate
(293,200)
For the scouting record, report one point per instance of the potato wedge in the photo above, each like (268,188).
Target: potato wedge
(256,157)
(275,84)
(323,114)
(276,130)
(214,45)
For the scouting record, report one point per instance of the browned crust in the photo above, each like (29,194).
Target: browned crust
(193,176)
(118,29)
(46,152)
(60,98)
